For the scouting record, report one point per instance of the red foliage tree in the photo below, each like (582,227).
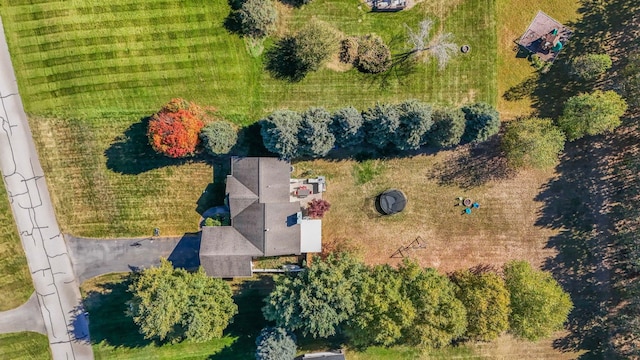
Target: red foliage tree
(174,130)
(317,208)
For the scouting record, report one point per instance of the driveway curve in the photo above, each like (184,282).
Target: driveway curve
(26,317)
(54,281)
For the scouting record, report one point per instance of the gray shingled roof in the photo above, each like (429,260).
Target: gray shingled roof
(226,266)
(262,217)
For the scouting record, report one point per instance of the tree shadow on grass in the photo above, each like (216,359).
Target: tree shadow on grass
(108,323)
(473,165)
(574,203)
(246,326)
(282,63)
(131,154)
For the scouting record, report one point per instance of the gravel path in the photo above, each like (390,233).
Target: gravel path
(55,284)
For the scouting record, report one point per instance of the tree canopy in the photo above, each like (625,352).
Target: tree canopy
(592,114)
(631,82)
(314,137)
(441,46)
(346,126)
(275,344)
(486,299)
(373,55)
(590,66)
(414,121)
(316,301)
(381,123)
(482,122)
(382,308)
(218,137)
(258,17)
(539,306)
(280,133)
(447,129)
(440,316)
(532,142)
(172,304)
(173,131)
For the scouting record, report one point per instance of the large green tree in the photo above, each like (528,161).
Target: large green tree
(631,79)
(280,133)
(590,66)
(532,142)
(539,306)
(314,44)
(382,309)
(172,304)
(482,122)
(486,299)
(314,138)
(447,129)
(592,114)
(381,123)
(318,300)
(440,316)
(414,122)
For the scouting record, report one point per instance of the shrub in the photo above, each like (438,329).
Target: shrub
(590,66)
(212,222)
(218,137)
(374,55)
(280,133)
(414,122)
(174,130)
(631,82)
(448,127)
(591,114)
(346,126)
(481,122)
(381,123)
(317,208)
(532,142)
(349,50)
(275,344)
(539,306)
(314,137)
(258,18)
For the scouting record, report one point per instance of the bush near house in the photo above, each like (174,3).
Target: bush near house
(280,132)
(219,137)
(317,208)
(173,131)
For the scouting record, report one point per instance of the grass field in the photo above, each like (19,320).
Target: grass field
(24,346)
(156,50)
(104,181)
(15,280)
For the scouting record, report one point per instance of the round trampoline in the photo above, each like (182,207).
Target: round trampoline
(391,202)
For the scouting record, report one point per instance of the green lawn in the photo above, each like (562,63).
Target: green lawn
(154,51)
(87,92)
(24,346)
(15,280)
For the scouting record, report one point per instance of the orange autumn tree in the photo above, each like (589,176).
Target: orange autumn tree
(173,131)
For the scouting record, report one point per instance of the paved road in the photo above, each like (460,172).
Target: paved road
(53,278)
(26,317)
(93,257)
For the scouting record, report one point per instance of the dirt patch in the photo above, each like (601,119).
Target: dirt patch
(336,65)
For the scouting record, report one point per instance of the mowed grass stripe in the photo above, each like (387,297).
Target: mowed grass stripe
(47,14)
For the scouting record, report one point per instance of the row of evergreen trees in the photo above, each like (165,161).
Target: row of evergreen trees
(389,128)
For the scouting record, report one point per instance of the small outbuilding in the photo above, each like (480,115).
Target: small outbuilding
(544,37)
(391,202)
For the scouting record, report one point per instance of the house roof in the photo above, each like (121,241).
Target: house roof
(226,266)
(324,356)
(263,220)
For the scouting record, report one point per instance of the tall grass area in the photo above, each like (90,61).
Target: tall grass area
(15,280)
(88,90)
(24,346)
(513,17)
